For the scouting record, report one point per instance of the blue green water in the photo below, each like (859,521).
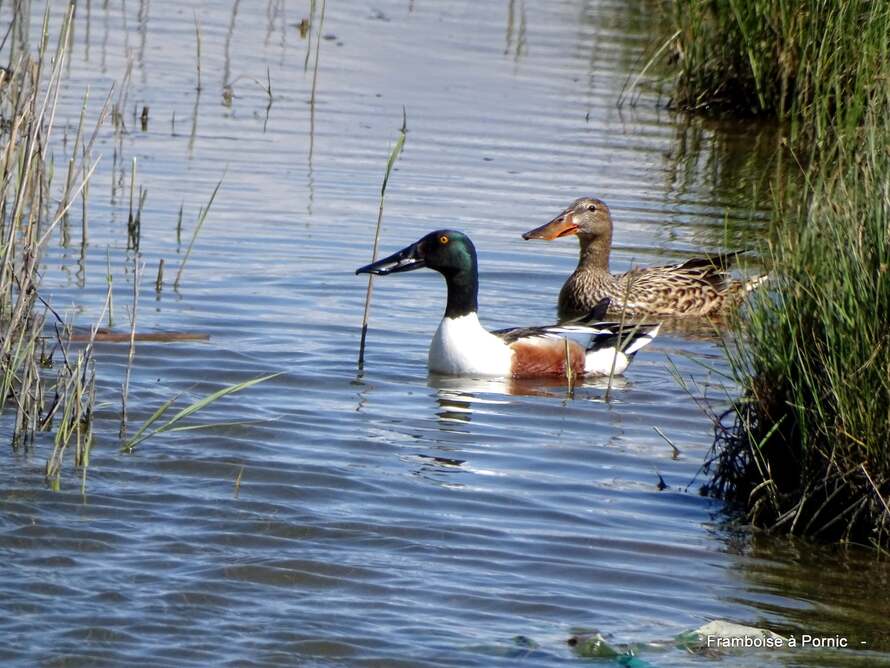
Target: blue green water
(390,517)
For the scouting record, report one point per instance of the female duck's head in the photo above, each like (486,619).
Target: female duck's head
(588,217)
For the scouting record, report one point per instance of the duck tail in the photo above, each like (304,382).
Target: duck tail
(644,335)
(613,349)
(627,339)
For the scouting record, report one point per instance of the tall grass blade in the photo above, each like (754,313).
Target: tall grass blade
(393,156)
(170,425)
(202,216)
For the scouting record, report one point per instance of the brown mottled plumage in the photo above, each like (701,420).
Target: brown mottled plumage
(697,287)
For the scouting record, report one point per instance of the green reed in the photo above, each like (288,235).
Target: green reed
(814,63)
(47,373)
(172,424)
(202,216)
(59,403)
(29,99)
(807,448)
(390,162)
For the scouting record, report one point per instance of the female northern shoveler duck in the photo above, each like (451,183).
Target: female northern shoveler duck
(462,346)
(697,287)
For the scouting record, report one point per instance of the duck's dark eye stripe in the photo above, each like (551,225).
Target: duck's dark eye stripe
(591,207)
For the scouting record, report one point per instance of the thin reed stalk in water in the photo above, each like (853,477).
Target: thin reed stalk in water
(84,459)
(238,477)
(69,181)
(618,344)
(84,199)
(109,281)
(317,47)
(198,86)
(393,156)
(138,270)
(159,281)
(268,96)
(570,373)
(676,450)
(132,237)
(627,89)
(201,217)
(309,34)
(179,228)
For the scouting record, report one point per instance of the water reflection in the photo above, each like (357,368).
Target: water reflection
(310,179)
(822,591)
(439,470)
(735,162)
(548,386)
(520,46)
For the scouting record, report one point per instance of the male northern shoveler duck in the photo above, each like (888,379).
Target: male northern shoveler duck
(697,287)
(463,347)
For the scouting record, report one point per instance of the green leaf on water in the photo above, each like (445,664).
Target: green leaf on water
(155,416)
(171,425)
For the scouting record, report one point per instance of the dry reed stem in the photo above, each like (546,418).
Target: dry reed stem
(138,271)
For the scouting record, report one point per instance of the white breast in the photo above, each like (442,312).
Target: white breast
(463,347)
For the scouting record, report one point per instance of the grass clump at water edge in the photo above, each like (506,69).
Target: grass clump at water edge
(28,95)
(807,449)
(814,63)
(33,398)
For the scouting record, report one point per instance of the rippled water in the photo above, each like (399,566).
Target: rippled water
(392,517)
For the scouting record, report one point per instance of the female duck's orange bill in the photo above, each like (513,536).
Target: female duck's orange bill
(561,226)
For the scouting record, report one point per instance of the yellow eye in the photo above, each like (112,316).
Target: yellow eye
(443,239)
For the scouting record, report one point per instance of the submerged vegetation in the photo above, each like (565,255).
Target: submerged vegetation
(807,448)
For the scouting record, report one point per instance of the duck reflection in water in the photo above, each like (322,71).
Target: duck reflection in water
(459,396)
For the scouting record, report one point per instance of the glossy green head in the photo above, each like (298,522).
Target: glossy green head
(449,252)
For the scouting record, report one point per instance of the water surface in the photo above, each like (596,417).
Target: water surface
(391,517)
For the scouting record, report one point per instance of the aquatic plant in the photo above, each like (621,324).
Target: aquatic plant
(814,63)
(28,96)
(172,424)
(391,161)
(202,216)
(33,336)
(806,448)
